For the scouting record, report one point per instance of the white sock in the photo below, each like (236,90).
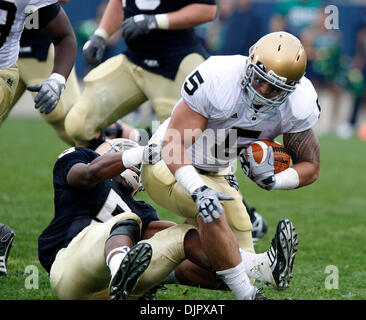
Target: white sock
(257,266)
(238,282)
(115,262)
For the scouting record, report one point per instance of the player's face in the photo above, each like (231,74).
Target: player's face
(264,88)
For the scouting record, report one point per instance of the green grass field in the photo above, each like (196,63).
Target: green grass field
(329,217)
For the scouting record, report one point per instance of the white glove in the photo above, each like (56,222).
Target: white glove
(49,93)
(152,153)
(208,204)
(261,173)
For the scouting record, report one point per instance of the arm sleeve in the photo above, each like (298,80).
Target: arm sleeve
(47,14)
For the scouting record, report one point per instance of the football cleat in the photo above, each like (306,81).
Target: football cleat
(259,225)
(132,266)
(282,253)
(6,241)
(259,295)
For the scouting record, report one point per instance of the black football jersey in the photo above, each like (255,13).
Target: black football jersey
(161,51)
(75,208)
(34,44)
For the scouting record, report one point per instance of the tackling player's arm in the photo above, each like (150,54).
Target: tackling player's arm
(84,176)
(110,165)
(305,153)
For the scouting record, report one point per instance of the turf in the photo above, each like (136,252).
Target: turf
(329,217)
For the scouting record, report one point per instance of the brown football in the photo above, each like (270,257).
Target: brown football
(282,159)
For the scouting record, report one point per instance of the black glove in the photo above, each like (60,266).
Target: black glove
(49,93)
(208,204)
(93,49)
(138,25)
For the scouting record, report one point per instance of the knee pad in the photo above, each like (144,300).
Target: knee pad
(128,228)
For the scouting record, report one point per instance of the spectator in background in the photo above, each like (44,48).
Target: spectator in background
(216,31)
(243,28)
(356,83)
(323,48)
(294,15)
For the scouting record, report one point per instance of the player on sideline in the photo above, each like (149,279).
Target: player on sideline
(227,103)
(55,23)
(162,49)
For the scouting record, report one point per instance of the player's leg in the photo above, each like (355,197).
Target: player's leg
(9,79)
(163,92)
(163,189)
(126,260)
(80,270)
(109,94)
(218,240)
(170,247)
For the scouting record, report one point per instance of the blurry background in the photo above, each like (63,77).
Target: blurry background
(336,56)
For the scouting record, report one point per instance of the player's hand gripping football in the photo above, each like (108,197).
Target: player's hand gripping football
(49,93)
(208,204)
(93,50)
(261,173)
(138,25)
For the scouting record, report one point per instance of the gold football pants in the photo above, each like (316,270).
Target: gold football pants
(117,87)
(80,271)
(9,79)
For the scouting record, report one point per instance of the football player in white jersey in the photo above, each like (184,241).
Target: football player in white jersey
(227,103)
(51,18)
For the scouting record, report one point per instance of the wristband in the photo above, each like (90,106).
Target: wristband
(58,77)
(102,33)
(188,177)
(132,157)
(286,180)
(162,21)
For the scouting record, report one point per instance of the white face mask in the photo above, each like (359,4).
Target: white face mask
(255,73)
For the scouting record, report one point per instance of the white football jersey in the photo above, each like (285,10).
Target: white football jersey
(13,14)
(213,90)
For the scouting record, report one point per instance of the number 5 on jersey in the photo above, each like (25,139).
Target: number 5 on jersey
(191,85)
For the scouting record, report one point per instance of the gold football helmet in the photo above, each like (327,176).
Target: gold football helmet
(279,59)
(131,176)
